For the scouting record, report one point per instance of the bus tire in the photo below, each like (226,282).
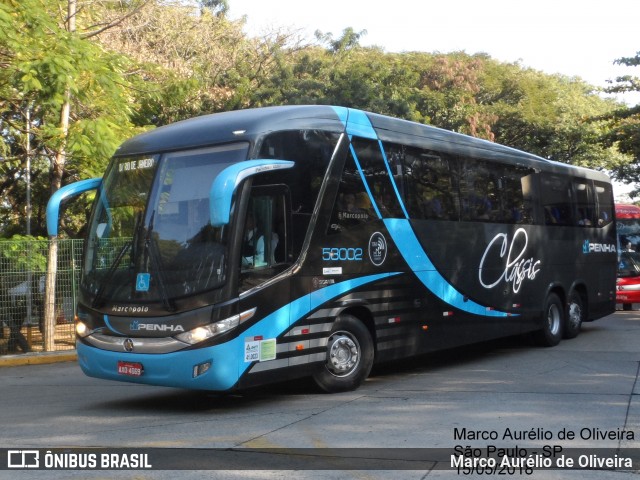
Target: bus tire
(627,307)
(349,356)
(575,315)
(552,322)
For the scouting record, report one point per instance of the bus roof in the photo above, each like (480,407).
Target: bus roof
(627,211)
(250,124)
(233,126)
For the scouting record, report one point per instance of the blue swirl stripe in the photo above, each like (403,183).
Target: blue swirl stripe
(357,123)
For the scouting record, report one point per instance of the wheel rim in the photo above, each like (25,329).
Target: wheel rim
(553,319)
(343,354)
(575,314)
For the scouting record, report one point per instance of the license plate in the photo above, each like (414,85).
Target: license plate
(131,369)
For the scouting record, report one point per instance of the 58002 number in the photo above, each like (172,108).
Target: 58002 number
(342,254)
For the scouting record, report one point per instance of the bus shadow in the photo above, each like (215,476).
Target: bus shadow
(466,355)
(191,401)
(188,401)
(452,357)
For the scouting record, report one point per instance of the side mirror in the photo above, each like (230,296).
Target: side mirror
(66,192)
(228,180)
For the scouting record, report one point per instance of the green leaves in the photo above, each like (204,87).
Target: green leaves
(135,64)
(23,258)
(67,92)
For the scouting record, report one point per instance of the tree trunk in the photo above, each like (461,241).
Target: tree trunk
(50,296)
(57,171)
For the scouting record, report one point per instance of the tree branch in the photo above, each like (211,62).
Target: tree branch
(116,22)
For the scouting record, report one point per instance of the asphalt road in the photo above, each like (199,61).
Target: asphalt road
(524,396)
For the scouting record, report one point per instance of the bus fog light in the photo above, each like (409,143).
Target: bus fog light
(201,369)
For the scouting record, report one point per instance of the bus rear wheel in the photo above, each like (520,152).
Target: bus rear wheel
(349,356)
(575,315)
(552,322)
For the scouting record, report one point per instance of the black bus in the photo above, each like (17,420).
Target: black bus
(246,247)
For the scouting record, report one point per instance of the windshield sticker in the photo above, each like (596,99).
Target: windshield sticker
(141,164)
(510,257)
(142,282)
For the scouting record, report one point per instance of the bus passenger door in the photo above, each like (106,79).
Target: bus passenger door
(265,255)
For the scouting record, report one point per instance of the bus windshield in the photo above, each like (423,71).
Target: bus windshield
(629,264)
(150,236)
(629,233)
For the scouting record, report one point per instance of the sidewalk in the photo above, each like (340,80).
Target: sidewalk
(64,344)
(37,358)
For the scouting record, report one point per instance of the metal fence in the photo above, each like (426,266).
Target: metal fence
(23,266)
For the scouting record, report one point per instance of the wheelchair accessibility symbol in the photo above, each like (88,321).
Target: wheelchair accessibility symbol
(142,282)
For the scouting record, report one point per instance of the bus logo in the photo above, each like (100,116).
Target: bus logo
(377,249)
(510,260)
(23,459)
(128,345)
(588,247)
(136,326)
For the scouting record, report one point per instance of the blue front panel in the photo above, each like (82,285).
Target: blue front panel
(170,369)
(228,363)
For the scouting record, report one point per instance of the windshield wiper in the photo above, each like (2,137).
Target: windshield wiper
(156,262)
(112,270)
(114,266)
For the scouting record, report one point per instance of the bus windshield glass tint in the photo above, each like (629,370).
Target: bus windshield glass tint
(150,236)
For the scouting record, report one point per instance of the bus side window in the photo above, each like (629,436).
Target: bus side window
(353,206)
(427,184)
(312,151)
(604,196)
(585,204)
(479,190)
(556,199)
(516,195)
(265,241)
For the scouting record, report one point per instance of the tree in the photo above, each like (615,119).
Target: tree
(473,94)
(624,127)
(218,7)
(74,91)
(550,115)
(75,96)
(195,60)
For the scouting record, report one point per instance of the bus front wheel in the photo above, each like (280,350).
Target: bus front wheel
(552,322)
(349,356)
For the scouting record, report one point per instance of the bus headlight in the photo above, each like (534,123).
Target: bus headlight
(81,329)
(205,332)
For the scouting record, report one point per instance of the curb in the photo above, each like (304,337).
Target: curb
(37,358)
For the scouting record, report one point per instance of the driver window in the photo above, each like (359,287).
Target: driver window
(264,237)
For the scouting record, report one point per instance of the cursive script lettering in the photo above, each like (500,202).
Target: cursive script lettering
(516,267)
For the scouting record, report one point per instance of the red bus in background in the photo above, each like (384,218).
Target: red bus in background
(628,281)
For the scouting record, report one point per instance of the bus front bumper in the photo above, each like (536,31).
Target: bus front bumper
(210,368)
